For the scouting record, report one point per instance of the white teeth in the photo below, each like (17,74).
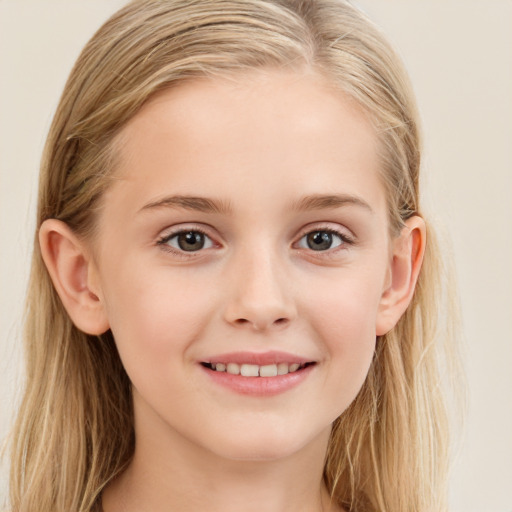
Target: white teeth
(249,370)
(233,368)
(270,370)
(282,369)
(253,370)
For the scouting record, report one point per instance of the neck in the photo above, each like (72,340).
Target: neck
(176,474)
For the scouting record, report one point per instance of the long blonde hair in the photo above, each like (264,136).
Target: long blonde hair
(74,432)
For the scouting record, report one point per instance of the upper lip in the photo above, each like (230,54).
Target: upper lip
(258,358)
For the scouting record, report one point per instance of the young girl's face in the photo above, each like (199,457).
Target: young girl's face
(246,228)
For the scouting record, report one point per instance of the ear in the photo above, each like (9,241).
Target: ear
(407,257)
(73,274)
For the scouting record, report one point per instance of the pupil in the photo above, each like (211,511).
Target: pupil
(191,241)
(319,240)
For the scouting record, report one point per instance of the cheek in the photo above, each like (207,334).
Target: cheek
(155,316)
(344,321)
(346,307)
(154,324)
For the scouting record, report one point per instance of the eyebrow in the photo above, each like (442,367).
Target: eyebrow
(323,202)
(206,205)
(198,204)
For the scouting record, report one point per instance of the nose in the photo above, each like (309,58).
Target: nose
(260,295)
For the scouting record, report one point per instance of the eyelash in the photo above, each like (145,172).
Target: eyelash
(345,239)
(163,242)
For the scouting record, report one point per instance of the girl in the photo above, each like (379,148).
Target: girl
(234,291)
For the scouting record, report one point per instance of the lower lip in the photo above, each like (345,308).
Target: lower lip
(259,386)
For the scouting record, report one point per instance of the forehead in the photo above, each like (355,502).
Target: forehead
(272,132)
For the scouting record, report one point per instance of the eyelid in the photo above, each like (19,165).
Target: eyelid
(344,233)
(174,231)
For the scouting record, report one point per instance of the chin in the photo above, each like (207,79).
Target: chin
(264,446)
(258,454)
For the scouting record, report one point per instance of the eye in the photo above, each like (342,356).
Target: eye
(188,241)
(321,240)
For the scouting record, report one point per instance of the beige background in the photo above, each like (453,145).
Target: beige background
(459,54)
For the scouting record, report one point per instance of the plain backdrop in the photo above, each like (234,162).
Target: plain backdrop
(459,55)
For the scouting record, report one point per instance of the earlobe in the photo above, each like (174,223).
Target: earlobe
(70,269)
(407,258)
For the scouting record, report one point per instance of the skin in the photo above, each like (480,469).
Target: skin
(256,148)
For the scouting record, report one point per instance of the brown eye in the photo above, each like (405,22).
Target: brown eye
(321,240)
(188,241)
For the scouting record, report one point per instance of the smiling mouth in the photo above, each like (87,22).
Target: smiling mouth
(254,370)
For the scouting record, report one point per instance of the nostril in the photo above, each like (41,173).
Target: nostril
(262,325)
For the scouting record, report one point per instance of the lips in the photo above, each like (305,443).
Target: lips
(260,374)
